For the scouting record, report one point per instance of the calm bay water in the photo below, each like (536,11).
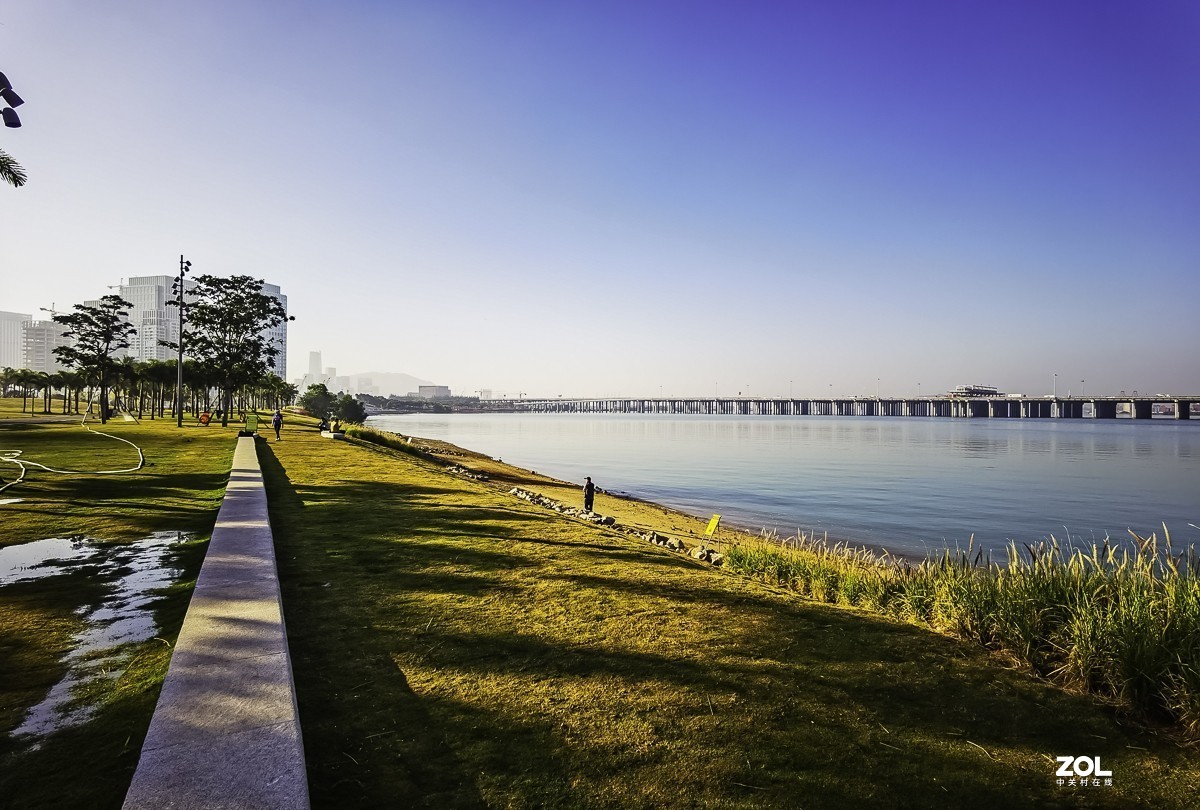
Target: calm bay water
(906,484)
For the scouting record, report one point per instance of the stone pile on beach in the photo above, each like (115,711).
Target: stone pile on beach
(467,473)
(700,553)
(562,508)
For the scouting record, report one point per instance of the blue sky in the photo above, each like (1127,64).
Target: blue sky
(609,198)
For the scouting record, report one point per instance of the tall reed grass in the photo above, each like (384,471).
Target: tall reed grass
(386,438)
(1122,621)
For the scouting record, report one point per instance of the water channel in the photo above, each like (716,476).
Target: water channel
(131,575)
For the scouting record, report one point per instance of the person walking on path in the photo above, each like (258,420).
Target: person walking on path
(277,422)
(589,494)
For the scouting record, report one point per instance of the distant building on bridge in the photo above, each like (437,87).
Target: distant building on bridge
(975,391)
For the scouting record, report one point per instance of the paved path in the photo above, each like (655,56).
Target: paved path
(225,733)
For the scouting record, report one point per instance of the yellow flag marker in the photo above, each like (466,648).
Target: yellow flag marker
(712,526)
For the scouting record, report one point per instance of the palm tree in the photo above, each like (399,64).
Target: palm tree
(125,380)
(166,377)
(39,381)
(67,381)
(11,171)
(77,380)
(48,383)
(145,385)
(25,380)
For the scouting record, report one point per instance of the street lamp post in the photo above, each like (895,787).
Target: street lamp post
(184,266)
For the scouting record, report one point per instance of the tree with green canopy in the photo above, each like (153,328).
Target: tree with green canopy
(317,400)
(349,409)
(225,331)
(96,334)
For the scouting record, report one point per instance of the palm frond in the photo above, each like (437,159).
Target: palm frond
(11,171)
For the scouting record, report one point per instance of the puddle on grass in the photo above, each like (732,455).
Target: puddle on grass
(131,573)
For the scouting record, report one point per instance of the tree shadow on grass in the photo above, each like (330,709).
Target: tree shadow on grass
(835,707)
(369,740)
(75,503)
(761,701)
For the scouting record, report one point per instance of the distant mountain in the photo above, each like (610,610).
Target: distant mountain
(389,383)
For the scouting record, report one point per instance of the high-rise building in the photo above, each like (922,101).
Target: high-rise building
(151,317)
(40,339)
(277,335)
(157,322)
(12,353)
(314,364)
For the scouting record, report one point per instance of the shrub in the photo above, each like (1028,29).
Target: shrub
(386,438)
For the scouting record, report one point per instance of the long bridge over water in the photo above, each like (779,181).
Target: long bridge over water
(1001,407)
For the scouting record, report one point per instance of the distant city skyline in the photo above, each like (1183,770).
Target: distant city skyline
(28,340)
(633,198)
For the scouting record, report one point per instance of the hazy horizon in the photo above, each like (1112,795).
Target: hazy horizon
(626,198)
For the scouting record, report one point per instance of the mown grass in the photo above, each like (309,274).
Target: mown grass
(1123,623)
(633,513)
(89,765)
(10,407)
(456,647)
(179,488)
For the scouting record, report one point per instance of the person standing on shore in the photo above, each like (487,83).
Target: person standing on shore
(589,494)
(277,422)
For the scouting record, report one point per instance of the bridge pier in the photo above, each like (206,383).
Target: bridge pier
(953,407)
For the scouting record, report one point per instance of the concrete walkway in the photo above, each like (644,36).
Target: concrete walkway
(225,733)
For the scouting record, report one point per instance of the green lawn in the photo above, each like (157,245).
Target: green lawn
(455,647)
(180,488)
(11,407)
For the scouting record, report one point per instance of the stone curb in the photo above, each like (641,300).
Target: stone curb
(226,732)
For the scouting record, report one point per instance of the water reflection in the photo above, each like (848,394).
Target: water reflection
(131,573)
